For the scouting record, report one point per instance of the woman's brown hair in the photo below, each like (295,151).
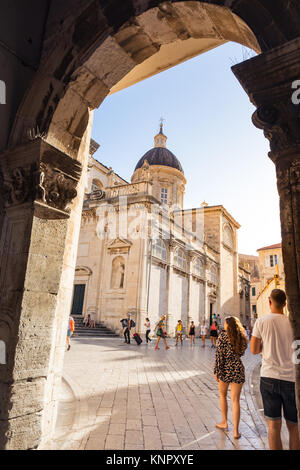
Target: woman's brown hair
(236,335)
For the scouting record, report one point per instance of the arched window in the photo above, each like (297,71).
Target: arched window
(180,259)
(198,268)
(213,275)
(117,273)
(159,249)
(228,236)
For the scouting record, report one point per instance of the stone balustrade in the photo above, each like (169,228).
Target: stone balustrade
(141,187)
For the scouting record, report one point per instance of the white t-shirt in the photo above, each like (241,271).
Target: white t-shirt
(275,332)
(203,330)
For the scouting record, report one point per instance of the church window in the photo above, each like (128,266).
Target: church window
(117,273)
(180,259)
(213,276)
(164,195)
(159,249)
(228,237)
(198,268)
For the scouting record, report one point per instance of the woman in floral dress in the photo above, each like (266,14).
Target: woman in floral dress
(161,333)
(229,370)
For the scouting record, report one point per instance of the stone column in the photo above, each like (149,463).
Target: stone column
(189,287)
(37,186)
(269,80)
(169,312)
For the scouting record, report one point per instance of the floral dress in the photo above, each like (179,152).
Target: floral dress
(160,329)
(228,365)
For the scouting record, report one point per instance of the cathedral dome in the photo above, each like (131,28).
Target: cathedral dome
(159,154)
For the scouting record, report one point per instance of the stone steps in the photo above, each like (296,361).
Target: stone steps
(100,329)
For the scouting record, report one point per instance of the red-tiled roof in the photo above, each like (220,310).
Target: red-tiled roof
(277,245)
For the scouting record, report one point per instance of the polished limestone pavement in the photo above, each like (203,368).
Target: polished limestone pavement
(119,396)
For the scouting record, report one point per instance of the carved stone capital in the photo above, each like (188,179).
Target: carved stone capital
(269,80)
(40,174)
(280,127)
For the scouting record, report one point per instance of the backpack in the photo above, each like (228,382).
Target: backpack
(132,323)
(124,323)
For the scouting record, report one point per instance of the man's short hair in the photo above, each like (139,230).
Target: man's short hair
(279,298)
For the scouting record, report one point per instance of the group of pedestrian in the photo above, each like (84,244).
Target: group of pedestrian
(272,338)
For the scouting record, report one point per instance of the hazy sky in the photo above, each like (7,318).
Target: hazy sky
(208,123)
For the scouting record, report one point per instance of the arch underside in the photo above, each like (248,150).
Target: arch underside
(105,49)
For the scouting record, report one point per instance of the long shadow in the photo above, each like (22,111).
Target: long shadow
(199,383)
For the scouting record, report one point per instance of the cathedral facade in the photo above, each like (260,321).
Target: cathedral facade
(141,252)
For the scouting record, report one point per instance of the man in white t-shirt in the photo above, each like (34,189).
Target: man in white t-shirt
(272,337)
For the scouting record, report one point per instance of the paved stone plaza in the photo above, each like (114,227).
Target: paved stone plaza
(119,396)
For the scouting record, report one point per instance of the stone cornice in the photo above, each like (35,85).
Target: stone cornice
(277,67)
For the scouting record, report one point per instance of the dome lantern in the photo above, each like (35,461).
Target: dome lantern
(160,140)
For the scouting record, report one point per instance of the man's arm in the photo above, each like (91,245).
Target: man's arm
(255,345)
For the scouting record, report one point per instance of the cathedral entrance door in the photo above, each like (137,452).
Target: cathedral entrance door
(78,299)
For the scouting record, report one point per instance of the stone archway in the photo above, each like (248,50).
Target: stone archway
(97,51)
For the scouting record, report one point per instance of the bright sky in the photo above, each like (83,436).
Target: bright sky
(208,123)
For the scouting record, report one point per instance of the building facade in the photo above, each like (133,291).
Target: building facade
(267,273)
(140,251)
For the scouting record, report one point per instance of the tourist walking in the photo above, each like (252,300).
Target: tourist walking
(179,329)
(272,337)
(229,370)
(161,333)
(214,330)
(192,333)
(248,331)
(148,329)
(71,329)
(127,324)
(203,333)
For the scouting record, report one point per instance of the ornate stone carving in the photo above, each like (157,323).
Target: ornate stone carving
(47,178)
(278,129)
(96,195)
(268,80)
(145,171)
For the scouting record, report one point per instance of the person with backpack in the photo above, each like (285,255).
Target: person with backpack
(127,324)
(71,329)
